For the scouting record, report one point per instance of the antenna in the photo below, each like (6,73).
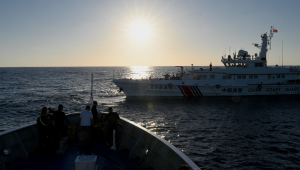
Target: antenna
(91,99)
(282,54)
(278,60)
(271,35)
(113,74)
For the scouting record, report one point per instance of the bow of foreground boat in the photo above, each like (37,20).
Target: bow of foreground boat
(137,148)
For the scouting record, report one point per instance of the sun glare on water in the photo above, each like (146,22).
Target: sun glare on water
(139,72)
(140,30)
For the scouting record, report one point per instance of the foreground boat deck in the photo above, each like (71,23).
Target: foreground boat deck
(138,149)
(106,159)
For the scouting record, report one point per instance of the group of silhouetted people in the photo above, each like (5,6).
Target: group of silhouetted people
(49,135)
(45,131)
(90,120)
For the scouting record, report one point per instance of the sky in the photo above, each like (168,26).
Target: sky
(40,33)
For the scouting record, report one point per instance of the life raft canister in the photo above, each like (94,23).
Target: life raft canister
(218,86)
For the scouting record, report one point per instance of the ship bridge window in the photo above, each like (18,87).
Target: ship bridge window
(280,76)
(250,76)
(269,76)
(229,64)
(255,76)
(238,77)
(243,76)
(239,64)
(258,64)
(226,77)
(202,76)
(211,76)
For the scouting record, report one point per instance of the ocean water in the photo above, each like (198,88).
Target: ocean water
(261,132)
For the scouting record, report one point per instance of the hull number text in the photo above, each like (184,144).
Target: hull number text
(161,87)
(232,90)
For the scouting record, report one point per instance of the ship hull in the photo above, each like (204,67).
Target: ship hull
(193,88)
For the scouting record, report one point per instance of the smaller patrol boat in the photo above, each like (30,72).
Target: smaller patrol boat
(243,75)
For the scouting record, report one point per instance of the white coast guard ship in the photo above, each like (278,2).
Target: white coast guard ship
(243,75)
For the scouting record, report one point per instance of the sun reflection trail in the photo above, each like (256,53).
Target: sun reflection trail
(139,72)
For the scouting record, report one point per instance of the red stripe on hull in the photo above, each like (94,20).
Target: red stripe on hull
(187,90)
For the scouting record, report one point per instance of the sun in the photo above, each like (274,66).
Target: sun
(140,30)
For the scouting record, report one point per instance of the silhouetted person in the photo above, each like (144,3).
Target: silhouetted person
(60,128)
(45,131)
(86,121)
(95,112)
(111,118)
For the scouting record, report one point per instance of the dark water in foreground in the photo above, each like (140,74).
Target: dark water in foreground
(261,132)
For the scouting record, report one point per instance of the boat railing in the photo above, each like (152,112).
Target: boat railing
(239,59)
(149,79)
(294,69)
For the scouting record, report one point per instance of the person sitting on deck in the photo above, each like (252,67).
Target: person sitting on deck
(111,118)
(45,131)
(60,128)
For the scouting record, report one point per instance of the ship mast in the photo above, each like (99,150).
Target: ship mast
(270,36)
(266,40)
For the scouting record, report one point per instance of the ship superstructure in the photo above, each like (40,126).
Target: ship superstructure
(243,75)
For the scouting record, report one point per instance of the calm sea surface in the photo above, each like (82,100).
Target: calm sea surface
(261,132)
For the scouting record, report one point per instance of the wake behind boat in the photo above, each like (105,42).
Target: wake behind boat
(243,75)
